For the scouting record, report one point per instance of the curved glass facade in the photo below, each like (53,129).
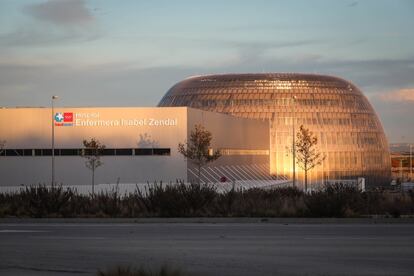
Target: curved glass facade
(348,130)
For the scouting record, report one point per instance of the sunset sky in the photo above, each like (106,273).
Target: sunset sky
(129,53)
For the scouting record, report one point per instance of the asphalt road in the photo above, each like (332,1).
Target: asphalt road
(209,248)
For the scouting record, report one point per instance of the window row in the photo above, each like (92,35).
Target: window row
(276,83)
(366,121)
(355,139)
(341,160)
(80,152)
(260,91)
(205,100)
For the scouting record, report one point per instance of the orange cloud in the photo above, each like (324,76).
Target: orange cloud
(402,95)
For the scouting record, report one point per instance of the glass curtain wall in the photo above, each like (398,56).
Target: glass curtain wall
(349,132)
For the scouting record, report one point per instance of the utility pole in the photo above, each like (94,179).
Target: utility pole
(53,139)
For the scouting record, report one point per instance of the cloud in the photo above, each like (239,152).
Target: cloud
(401,95)
(55,23)
(353,4)
(111,84)
(62,12)
(33,36)
(269,44)
(234,44)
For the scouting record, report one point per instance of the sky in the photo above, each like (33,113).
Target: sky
(129,53)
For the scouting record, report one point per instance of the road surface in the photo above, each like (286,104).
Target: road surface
(208,248)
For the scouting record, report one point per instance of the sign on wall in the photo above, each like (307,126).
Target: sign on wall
(94,120)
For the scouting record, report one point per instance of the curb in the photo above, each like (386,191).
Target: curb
(380,220)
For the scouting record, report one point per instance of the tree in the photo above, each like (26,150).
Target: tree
(2,145)
(92,153)
(197,149)
(307,154)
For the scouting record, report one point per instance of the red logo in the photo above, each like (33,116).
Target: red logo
(68,117)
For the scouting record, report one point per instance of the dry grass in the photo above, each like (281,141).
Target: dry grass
(131,271)
(193,200)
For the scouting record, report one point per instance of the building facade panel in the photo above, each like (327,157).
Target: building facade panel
(244,146)
(141,143)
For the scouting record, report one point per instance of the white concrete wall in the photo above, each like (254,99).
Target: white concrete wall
(30,128)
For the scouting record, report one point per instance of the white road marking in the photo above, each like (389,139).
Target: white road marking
(344,238)
(22,231)
(67,238)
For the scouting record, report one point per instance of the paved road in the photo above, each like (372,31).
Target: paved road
(208,248)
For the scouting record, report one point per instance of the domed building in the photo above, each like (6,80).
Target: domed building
(349,132)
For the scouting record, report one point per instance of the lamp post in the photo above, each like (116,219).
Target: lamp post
(53,139)
(411,162)
(293,142)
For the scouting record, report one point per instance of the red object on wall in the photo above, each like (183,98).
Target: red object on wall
(68,117)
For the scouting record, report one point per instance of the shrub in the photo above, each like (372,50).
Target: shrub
(259,202)
(190,200)
(333,201)
(176,200)
(107,203)
(41,201)
(130,271)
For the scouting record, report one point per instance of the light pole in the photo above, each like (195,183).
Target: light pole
(293,142)
(411,162)
(53,139)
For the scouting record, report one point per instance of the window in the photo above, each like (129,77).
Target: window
(108,152)
(123,151)
(78,152)
(162,151)
(46,152)
(69,152)
(143,151)
(14,152)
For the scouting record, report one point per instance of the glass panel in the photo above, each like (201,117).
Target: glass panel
(143,152)
(123,151)
(162,151)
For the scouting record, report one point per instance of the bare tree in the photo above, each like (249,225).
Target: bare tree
(197,149)
(2,145)
(92,153)
(307,154)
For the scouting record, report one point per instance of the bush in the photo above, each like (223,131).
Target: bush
(194,200)
(259,202)
(176,200)
(41,201)
(334,201)
(130,271)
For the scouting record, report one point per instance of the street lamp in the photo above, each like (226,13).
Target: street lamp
(411,162)
(293,141)
(53,139)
